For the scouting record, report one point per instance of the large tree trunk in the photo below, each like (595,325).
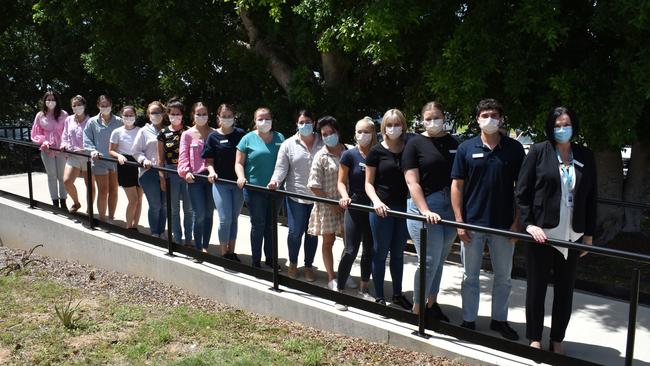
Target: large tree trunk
(335,70)
(634,186)
(610,185)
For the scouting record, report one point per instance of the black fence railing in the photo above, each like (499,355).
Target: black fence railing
(421,321)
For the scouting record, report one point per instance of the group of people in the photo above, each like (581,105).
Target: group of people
(486,180)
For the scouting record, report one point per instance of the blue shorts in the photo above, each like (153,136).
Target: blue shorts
(101,167)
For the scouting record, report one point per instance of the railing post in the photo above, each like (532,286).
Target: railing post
(89,194)
(274,238)
(422,265)
(631,323)
(168,202)
(30,184)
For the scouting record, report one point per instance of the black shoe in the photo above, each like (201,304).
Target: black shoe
(469,325)
(257,265)
(504,329)
(63,205)
(380,301)
(235,257)
(269,263)
(227,256)
(402,301)
(435,312)
(55,203)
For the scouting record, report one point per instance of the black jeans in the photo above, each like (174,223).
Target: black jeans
(541,259)
(357,229)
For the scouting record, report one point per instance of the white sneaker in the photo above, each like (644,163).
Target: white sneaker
(365,294)
(350,283)
(340,307)
(332,285)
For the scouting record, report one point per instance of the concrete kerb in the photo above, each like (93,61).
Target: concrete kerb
(69,240)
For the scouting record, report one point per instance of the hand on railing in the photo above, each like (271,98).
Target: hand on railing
(345,202)
(45,146)
(588,240)
(212,177)
(464,235)
(381,209)
(273,185)
(95,155)
(147,163)
(189,177)
(432,217)
(537,233)
(241,182)
(121,159)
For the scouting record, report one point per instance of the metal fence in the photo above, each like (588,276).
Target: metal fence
(277,279)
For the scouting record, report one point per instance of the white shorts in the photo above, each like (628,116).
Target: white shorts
(76,161)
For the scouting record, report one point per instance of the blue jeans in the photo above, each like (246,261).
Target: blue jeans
(228,199)
(298,221)
(439,240)
(157,214)
(389,235)
(501,252)
(201,195)
(178,191)
(259,208)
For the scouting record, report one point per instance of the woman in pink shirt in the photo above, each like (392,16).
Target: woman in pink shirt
(190,162)
(46,131)
(72,139)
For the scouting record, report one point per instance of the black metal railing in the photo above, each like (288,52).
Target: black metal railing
(277,279)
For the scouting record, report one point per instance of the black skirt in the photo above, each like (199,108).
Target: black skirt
(127,175)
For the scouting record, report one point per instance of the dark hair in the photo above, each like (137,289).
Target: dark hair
(175,102)
(104,97)
(57,108)
(221,108)
(489,103)
(553,115)
(129,107)
(78,98)
(328,121)
(306,113)
(158,104)
(431,106)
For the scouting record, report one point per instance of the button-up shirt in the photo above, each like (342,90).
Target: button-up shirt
(97,135)
(73,134)
(294,164)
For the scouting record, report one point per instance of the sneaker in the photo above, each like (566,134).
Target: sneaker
(504,329)
(332,285)
(350,283)
(340,307)
(402,301)
(293,271)
(380,301)
(468,325)
(435,312)
(310,276)
(363,292)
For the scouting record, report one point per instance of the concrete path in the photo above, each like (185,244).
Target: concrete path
(597,331)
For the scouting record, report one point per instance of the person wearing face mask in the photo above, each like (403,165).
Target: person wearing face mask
(169,140)
(127,175)
(351,181)
(427,162)
(482,193)
(191,162)
(254,163)
(72,139)
(557,197)
(326,219)
(219,152)
(145,152)
(387,190)
(97,134)
(292,168)
(47,130)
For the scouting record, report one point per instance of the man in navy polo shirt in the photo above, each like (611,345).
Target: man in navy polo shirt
(482,193)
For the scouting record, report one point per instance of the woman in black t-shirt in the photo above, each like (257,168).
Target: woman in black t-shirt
(386,188)
(427,161)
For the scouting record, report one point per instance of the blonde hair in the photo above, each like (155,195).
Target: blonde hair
(156,103)
(370,123)
(392,115)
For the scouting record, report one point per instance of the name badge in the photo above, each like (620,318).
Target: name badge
(363,165)
(477,156)
(569,199)
(223,141)
(452,151)
(278,143)
(578,163)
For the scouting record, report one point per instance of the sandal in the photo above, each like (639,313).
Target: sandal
(75,207)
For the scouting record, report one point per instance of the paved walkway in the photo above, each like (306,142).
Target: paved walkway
(597,331)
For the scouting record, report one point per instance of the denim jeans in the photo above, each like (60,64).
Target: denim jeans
(54,167)
(201,195)
(357,229)
(157,214)
(389,235)
(298,221)
(439,240)
(259,208)
(178,192)
(501,252)
(228,199)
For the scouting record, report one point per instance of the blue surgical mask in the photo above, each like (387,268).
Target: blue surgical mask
(305,129)
(331,140)
(563,134)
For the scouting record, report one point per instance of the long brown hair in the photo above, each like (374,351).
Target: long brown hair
(57,109)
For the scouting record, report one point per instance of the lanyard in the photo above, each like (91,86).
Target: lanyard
(566,170)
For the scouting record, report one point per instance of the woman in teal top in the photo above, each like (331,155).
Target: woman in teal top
(254,164)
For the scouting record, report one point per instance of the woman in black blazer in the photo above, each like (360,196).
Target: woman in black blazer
(556,194)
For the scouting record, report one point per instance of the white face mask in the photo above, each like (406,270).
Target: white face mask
(129,121)
(200,120)
(50,104)
(176,120)
(105,110)
(226,122)
(433,126)
(394,132)
(79,110)
(489,125)
(264,125)
(363,138)
(156,119)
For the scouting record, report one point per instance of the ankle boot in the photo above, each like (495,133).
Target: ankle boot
(63,205)
(55,203)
